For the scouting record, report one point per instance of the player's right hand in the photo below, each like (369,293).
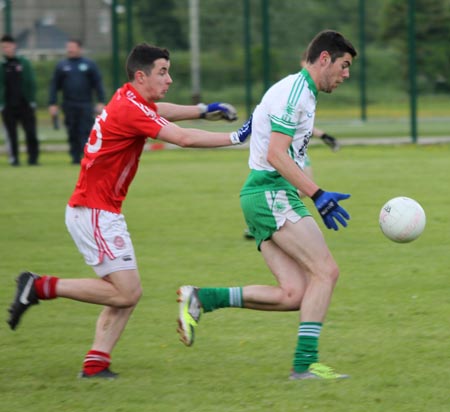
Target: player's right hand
(218,111)
(328,207)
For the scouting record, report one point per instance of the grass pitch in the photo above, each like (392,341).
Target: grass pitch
(387,325)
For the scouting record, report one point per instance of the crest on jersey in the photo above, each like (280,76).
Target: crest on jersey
(119,242)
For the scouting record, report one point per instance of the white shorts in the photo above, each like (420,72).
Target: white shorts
(102,238)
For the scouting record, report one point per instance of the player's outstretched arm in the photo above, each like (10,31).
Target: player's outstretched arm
(175,112)
(172,133)
(214,111)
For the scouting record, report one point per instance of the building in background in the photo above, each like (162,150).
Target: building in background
(42,27)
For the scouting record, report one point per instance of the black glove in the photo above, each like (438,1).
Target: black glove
(331,142)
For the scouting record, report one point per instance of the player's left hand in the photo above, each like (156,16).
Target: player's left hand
(218,111)
(331,142)
(328,207)
(240,135)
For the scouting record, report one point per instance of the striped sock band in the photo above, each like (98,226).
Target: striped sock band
(96,361)
(236,297)
(46,287)
(311,329)
(306,352)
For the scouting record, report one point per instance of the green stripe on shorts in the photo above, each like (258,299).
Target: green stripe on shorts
(266,212)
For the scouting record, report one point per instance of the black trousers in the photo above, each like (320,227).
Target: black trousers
(26,116)
(79,120)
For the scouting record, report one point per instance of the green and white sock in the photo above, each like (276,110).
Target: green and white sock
(215,298)
(306,352)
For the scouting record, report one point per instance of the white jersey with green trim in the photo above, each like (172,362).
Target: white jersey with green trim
(287,107)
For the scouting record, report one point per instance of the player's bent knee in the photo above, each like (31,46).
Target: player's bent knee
(292,299)
(136,296)
(332,273)
(130,299)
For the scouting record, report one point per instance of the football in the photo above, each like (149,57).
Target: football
(402,219)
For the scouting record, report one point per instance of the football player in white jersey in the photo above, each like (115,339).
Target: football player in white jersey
(329,140)
(289,239)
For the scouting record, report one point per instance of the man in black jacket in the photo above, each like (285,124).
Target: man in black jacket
(17,101)
(77,77)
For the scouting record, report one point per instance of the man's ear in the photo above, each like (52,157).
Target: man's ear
(139,77)
(324,58)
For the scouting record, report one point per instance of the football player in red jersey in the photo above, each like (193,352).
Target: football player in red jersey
(93,213)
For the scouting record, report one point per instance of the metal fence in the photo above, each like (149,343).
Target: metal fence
(242,47)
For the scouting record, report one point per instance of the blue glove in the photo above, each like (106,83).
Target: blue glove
(241,134)
(217,111)
(328,207)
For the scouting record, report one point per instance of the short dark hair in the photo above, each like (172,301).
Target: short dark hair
(331,41)
(143,57)
(75,40)
(7,38)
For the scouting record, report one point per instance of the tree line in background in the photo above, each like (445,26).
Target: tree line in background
(292,25)
(294,22)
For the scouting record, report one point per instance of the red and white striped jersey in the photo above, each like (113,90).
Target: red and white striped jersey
(112,153)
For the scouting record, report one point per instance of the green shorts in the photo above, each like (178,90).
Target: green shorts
(266,212)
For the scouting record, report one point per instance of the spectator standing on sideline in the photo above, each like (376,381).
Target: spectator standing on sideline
(93,213)
(286,234)
(18,101)
(77,77)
